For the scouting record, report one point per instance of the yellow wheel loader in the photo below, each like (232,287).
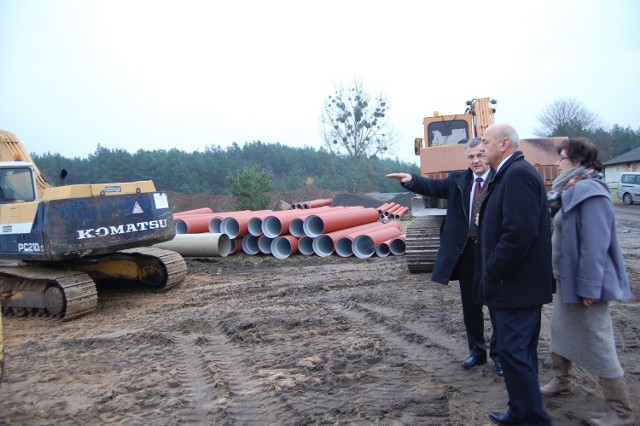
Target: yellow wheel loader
(442,151)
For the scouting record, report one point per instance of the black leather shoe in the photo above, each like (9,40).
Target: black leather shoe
(474,360)
(502,418)
(497,369)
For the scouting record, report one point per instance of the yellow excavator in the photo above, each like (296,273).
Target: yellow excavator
(442,151)
(57,242)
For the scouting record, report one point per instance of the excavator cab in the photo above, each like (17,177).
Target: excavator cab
(17,182)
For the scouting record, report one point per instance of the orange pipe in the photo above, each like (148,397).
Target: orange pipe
(323,223)
(383,249)
(250,245)
(305,245)
(394,209)
(296,226)
(397,246)
(317,203)
(256,224)
(383,207)
(400,213)
(364,246)
(194,211)
(236,245)
(284,246)
(193,224)
(278,223)
(236,225)
(344,245)
(216,221)
(391,211)
(324,245)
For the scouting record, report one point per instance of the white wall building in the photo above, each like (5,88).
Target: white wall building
(627,162)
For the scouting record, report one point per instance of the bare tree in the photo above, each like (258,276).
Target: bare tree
(567,117)
(355,124)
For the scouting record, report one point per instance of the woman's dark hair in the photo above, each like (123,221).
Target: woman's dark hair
(583,151)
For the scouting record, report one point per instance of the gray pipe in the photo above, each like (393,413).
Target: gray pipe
(199,245)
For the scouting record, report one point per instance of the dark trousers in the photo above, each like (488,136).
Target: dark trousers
(518,332)
(472,314)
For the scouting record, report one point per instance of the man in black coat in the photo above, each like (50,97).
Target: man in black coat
(457,254)
(514,270)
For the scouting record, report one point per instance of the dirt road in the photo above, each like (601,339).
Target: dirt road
(256,340)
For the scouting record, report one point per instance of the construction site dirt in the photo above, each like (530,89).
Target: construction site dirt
(304,340)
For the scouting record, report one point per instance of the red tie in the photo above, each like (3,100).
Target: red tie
(476,191)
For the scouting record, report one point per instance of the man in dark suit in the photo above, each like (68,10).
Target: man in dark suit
(514,269)
(457,254)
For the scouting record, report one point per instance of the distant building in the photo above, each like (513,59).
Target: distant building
(627,162)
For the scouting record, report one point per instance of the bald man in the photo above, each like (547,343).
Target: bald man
(514,262)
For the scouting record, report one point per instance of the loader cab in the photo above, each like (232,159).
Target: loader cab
(17,182)
(454,129)
(448,129)
(445,130)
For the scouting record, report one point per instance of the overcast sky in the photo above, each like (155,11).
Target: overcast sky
(190,74)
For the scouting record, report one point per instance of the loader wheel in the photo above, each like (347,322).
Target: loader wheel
(54,300)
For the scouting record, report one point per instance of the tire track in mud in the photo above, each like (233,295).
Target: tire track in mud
(296,364)
(327,369)
(427,401)
(426,345)
(245,396)
(415,349)
(312,358)
(194,381)
(245,399)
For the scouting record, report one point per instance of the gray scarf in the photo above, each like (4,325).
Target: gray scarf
(565,181)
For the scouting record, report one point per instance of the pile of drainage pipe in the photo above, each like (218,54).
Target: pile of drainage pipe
(309,228)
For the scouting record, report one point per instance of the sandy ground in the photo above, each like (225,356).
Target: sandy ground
(306,340)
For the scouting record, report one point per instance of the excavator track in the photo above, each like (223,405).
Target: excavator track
(153,268)
(34,290)
(171,262)
(422,243)
(69,291)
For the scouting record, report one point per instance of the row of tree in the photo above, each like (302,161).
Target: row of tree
(216,169)
(285,168)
